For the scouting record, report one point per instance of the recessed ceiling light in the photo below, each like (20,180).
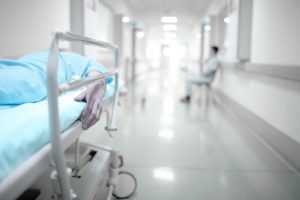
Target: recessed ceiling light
(207,28)
(227,20)
(125,19)
(169,27)
(169,19)
(140,34)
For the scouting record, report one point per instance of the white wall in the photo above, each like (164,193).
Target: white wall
(105,23)
(231,34)
(245,29)
(26,25)
(98,24)
(126,41)
(274,100)
(237,33)
(275,40)
(276,32)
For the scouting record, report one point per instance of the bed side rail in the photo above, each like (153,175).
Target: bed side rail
(54,90)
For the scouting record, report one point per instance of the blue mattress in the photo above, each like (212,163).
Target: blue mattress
(24,128)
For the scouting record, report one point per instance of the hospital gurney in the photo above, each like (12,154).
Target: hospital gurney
(51,171)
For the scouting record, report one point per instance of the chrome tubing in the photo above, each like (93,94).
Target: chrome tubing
(53,92)
(84,82)
(71,37)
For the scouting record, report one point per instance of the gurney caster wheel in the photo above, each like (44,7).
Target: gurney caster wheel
(127,185)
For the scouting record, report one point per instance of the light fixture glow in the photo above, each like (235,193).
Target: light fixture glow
(168,105)
(207,28)
(167,119)
(166,134)
(140,34)
(164,173)
(125,19)
(227,20)
(169,27)
(169,19)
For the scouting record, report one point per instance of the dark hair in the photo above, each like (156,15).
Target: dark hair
(215,49)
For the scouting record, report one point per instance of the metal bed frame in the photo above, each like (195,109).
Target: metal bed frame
(34,167)
(53,92)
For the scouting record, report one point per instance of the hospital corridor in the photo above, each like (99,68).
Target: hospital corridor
(197,151)
(149,100)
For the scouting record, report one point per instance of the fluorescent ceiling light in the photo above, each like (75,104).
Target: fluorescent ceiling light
(169,27)
(140,34)
(227,20)
(125,19)
(170,35)
(169,19)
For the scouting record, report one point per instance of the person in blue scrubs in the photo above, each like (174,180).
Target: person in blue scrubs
(24,81)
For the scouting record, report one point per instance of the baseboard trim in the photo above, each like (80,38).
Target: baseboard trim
(285,146)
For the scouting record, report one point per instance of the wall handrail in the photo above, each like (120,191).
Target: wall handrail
(287,72)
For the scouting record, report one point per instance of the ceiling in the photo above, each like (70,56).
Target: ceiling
(149,12)
(188,11)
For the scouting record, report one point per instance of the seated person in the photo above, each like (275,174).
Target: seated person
(24,81)
(210,69)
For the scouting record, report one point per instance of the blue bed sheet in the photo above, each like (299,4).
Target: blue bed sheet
(24,128)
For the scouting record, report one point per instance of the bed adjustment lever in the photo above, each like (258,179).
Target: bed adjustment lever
(110,129)
(110,123)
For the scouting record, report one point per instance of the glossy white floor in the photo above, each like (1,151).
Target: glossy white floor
(192,152)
